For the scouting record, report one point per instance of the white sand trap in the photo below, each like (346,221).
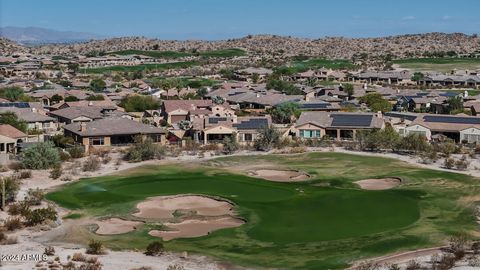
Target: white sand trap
(163,207)
(196,228)
(280,175)
(116,226)
(379,184)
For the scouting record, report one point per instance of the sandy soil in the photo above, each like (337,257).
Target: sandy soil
(195,228)
(116,226)
(163,207)
(280,175)
(379,184)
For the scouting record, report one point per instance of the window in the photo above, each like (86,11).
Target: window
(248,137)
(309,133)
(46,125)
(97,141)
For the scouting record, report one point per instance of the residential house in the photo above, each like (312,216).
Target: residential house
(175,111)
(111,131)
(336,125)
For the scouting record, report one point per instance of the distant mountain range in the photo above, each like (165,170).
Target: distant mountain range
(37,35)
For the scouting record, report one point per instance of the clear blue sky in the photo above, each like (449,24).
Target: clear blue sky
(219,19)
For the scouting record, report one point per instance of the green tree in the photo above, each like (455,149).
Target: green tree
(348,88)
(230,144)
(40,156)
(376,102)
(95,97)
(10,118)
(71,99)
(202,92)
(284,113)
(137,103)
(417,76)
(11,93)
(283,86)
(144,149)
(97,85)
(75,67)
(268,138)
(455,104)
(56,99)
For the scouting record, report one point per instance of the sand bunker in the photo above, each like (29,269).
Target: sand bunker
(379,184)
(280,175)
(163,207)
(196,228)
(116,226)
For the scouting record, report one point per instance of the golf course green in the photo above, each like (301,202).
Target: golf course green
(324,223)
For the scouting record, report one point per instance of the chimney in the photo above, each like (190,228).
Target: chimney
(83,127)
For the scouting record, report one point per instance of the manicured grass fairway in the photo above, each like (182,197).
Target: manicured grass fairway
(164,66)
(438,64)
(292,225)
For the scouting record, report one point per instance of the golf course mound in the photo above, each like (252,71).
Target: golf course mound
(280,175)
(195,227)
(164,207)
(116,226)
(379,184)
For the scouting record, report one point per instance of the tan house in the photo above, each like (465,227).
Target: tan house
(114,131)
(336,125)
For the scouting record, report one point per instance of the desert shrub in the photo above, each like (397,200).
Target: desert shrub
(20,208)
(447,261)
(368,265)
(458,245)
(56,172)
(154,248)
(15,166)
(64,156)
(413,265)
(12,224)
(12,186)
(91,164)
(446,148)
(95,247)
(144,149)
(76,151)
(49,251)
(38,216)
(106,159)
(40,156)
(34,196)
(473,261)
(79,257)
(175,266)
(392,267)
(462,164)
(449,163)
(24,174)
(9,240)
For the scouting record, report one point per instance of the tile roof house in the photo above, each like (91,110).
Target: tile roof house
(175,111)
(111,131)
(70,115)
(35,119)
(457,127)
(10,137)
(214,129)
(338,125)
